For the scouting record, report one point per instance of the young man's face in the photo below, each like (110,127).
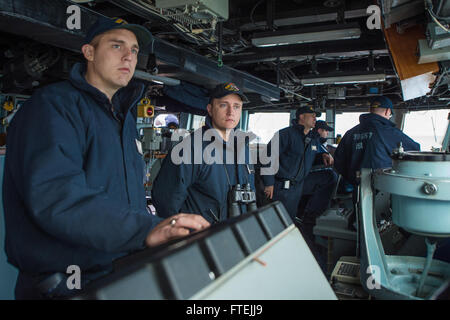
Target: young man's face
(114,58)
(225,112)
(322,132)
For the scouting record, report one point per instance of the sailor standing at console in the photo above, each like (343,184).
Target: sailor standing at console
(371,142)
(321,180)
(298,147)
(211,181)
(73,189)
(322,129)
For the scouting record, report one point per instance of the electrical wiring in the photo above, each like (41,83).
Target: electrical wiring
(296,94)
(253,10)
(442,93)
(429,6)
(438,23)
(438,81)
(172,19)
(435,17)
(391,88)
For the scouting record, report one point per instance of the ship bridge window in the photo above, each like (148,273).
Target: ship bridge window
(323,116)
(427,127)
(345,121)
(197,122)
(264,125)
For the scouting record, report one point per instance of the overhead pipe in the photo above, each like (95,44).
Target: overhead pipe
(138,74)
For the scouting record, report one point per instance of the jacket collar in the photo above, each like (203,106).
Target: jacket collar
(127,96)
(208,122)
(301,128)
(208,125)
(373,118)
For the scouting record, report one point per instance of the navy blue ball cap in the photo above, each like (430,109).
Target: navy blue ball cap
(170,118)
(382,102)
(225,89)
(306,109)
(320,124)
(104,24)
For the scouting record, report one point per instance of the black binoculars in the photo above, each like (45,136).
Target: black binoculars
(238,196)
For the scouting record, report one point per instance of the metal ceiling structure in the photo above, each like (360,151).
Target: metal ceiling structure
(204,42)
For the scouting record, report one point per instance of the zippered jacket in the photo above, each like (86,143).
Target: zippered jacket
(369,145)
(199,184)
(295,156)
(73,184)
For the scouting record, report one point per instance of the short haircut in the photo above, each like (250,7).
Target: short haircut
(377,109)
(96,40)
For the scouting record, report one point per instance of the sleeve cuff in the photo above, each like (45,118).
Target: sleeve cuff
(268,180)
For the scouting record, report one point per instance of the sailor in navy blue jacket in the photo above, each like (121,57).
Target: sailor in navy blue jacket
(371,142)
(198,184)
(298,147)
(73,184)
(321,181)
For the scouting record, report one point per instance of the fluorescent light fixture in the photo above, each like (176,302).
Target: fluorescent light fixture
(317,34)
(362,78)
(157,79)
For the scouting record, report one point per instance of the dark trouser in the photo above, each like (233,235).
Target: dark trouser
(290,198)
(52,286)
(443,250)
(26,289)
(30,287)
(319,185)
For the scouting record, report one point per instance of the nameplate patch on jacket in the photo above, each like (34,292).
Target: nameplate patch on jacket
(139,146)
(314,148)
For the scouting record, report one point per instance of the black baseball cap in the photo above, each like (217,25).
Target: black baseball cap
(382,102)
(225,89)
(320,124)
(306,109)
(104,24)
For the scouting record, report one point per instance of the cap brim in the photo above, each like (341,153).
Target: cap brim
(143,36)
(318,114)
(243,97)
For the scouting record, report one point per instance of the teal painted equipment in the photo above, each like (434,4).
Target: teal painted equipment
(419,184)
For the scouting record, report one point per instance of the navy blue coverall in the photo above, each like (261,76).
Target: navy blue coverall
(200,188)
(319,185)
(369,145)
(297,152)
(73,189)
